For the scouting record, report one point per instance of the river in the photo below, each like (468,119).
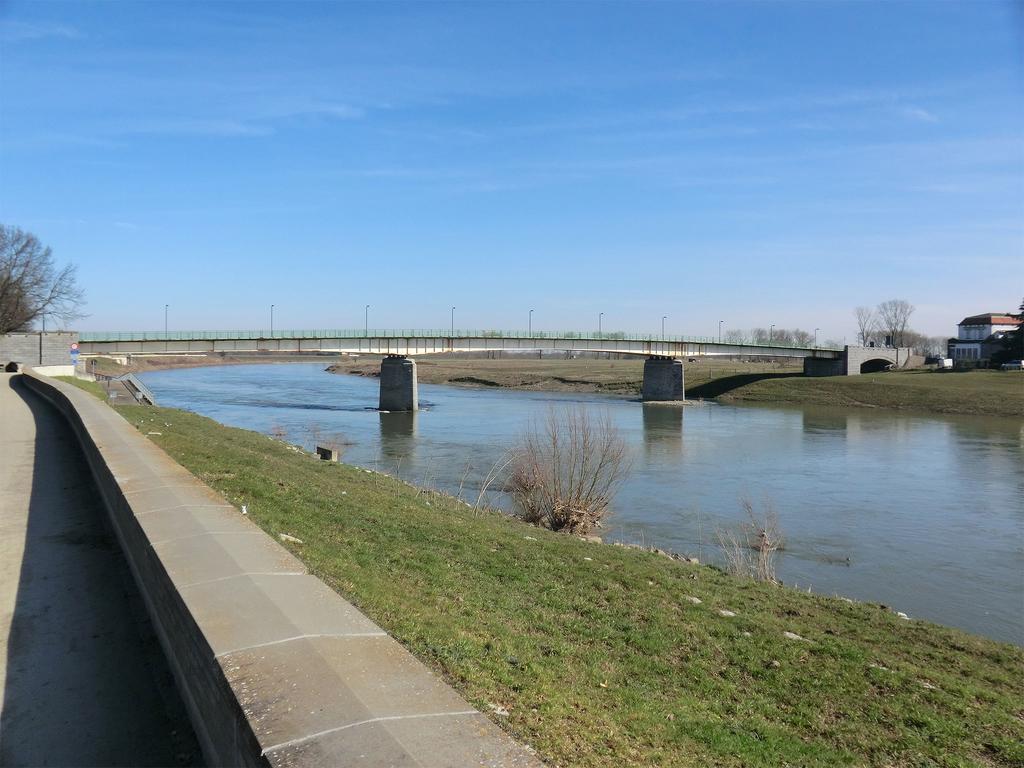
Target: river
(921,513)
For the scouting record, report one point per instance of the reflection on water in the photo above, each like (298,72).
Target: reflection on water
(825,421)
(398,434)
(663,428)
(920,513)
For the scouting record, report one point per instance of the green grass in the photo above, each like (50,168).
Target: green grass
(91,387)
(992,393)
(594,650)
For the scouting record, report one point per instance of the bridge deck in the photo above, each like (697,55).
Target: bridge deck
(413,342)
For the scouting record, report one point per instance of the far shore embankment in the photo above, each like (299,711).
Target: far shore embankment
(982,393)
(779,382)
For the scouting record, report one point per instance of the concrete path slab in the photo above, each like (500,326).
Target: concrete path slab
(321,685)
(82,679)
(465,741)
(213,556)
(289,607)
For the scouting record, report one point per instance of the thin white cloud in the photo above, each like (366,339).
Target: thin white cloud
(192,127)
(340,111)
(920,114)
(17,31)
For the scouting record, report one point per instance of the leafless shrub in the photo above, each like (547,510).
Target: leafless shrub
(278,432)
(750,549)
(494,475)
(564,472)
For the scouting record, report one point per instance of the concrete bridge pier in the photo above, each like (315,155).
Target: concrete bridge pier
(663,379)
(814,366)
(398,391)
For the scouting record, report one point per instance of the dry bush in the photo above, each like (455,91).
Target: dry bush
(564,472)
(750,549)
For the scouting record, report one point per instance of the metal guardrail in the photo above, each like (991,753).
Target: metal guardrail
(418,333)
(135,387)
(140,391)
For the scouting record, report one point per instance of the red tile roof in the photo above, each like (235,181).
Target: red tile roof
(990,318)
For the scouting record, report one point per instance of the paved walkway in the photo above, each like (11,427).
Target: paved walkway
(82,678)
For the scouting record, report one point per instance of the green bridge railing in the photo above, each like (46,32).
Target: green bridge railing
(413,333)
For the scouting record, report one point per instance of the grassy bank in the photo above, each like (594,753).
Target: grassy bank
(990,393)
(598,655)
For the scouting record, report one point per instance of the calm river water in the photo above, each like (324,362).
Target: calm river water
(921,513)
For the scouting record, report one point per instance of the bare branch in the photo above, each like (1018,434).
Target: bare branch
(894,315)
(31,286)
(565,472)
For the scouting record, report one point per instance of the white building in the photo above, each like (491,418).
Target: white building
(978,336)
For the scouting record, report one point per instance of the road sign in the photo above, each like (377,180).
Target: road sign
(74,347)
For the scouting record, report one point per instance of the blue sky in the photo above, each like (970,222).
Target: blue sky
(758,163)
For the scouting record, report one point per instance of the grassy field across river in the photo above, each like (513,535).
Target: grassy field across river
(991,393)
(598,655)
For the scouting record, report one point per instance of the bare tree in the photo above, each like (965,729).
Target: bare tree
(565,472)
(761,335)
(924,345)
(867,324)
(894,315)
(735,336)
(802,338)
(31,286)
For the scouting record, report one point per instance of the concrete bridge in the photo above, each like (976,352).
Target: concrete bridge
(663,370)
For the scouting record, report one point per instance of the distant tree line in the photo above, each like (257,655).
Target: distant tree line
(794,337)
(889,323)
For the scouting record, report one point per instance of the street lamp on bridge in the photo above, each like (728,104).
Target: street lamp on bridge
(453,322)
(720,331)
(366,321)
(816,336)
(529,326)
(663,327)
(271,320)
(771,333)
(600,316)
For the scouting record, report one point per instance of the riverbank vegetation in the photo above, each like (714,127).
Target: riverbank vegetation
(983,393)
(599,655)
(564,473)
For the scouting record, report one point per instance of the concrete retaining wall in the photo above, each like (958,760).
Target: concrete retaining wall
(37,348)
(275,668)
(853,358)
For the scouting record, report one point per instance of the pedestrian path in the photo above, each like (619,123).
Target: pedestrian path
(82,678)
